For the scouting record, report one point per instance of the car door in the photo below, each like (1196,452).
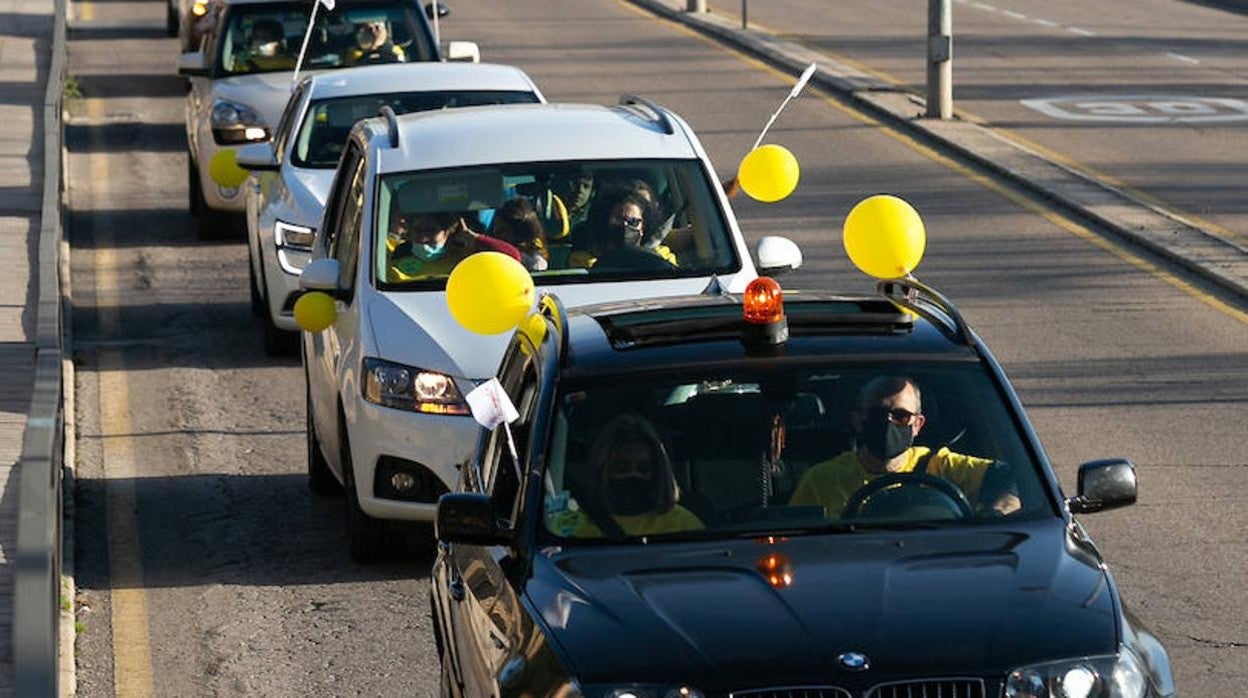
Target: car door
(341,225)
(487,617)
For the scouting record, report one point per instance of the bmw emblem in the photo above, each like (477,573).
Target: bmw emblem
(853,661)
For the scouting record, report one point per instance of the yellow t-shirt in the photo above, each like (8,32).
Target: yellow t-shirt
(831,483)
(673,521)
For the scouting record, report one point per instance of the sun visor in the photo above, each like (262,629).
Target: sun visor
(464,191)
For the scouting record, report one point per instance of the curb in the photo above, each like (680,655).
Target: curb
(1218,260)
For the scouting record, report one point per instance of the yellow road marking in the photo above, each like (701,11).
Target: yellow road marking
(1061,221)
(132,657)
(86,11)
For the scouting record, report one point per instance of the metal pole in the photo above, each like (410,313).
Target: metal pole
(745,14)
(940,59)
(696,6)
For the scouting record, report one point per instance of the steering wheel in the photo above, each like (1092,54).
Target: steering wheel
(891,496)
(631,259)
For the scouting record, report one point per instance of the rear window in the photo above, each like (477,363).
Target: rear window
(568,222)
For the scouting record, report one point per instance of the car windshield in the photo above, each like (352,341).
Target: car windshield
(327,123)
(267,38)
(747,452)
(570,222)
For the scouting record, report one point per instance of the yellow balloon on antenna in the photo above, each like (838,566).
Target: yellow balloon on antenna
(884,236)
(768,173)
(489,292)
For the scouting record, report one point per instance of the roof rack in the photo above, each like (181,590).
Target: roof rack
(392,122)
(923,299)
(660,114)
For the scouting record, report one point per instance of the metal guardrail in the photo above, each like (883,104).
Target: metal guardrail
(37,569)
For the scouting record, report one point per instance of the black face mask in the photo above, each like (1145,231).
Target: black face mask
(630,496)
(626,237)
(884,439)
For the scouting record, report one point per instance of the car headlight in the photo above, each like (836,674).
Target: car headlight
(295,238)
(236,123)
(413,389)
(640,691)
(1109,676)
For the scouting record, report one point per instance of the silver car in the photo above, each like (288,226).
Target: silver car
(243,77)
(294,171)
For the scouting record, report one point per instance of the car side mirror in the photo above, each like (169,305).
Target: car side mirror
(466,51)
(194,64)
(320,275)
(1103,485)
(258,157)
(777,255)
(468,518)
(443,10)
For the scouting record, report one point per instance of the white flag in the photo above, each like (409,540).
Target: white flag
(490,405)
(329,4)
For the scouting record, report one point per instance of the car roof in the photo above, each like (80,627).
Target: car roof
(687,331)
(308,2)
(530,133)
(419,77)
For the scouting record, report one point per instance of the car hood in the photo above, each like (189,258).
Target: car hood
(917,604)
(309,189)
(416,328)
(266,93)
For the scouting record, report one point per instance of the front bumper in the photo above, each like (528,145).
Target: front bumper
(440,443)
(281,281)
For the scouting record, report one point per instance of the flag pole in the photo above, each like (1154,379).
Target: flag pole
(294,80)
(437,37)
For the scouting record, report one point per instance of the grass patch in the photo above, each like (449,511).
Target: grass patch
(79,627)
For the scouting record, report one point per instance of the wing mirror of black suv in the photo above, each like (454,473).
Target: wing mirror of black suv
(1103,485)
(469,518)
(443,10)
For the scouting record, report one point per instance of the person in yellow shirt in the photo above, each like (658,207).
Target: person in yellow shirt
(266,48)
(633,484)
(373,45)
(618,244)
(887,418)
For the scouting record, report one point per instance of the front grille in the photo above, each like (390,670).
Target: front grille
(793,692)
(931,688)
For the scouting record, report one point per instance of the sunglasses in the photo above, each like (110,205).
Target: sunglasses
(897,415)
(629,221)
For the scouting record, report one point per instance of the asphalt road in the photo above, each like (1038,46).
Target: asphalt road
(209,568)
(1149,95)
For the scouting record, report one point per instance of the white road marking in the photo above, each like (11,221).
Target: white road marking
(1141,109)
(982,6)
(1181,57)
(1015,15)
(1080,32)
(1046,23)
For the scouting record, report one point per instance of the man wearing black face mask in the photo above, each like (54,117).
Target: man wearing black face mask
(889,415)
(635,485)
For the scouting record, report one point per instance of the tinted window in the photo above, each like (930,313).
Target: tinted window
(327,123)
(267,38)
(570,221)
(729,452)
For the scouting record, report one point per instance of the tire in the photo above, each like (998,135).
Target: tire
(258,307)
(367,537)
(171,20)
(277,342)
(194,194)
(321,479)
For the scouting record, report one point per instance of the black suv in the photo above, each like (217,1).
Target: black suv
(775,495)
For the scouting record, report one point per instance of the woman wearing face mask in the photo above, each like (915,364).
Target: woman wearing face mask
(616,241)
(266,49)
(424,245)
(888,415)
(634,488)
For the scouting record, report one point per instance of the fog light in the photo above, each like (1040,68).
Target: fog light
(402,482)
(227,192)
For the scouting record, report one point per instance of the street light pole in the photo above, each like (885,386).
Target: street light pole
(939,59)
(696,6)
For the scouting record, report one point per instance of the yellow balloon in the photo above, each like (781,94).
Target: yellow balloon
(314,311)
(884,236)
(489,292)
(224,169)
(768,173)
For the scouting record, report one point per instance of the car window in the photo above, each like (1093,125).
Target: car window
(346,244)
(327,122)
(501,471)
(570,222)
(286,123)
(744,452)
(264,38)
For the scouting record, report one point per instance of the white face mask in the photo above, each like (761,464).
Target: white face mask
(268,49)
(427,252)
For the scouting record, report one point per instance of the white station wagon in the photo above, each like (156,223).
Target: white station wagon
(293,171)
(600,203)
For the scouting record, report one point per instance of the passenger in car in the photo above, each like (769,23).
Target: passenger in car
(888,416)
(631,488)
(516,222)
(424,245)
(266,47)
(374,45)
(618,241)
